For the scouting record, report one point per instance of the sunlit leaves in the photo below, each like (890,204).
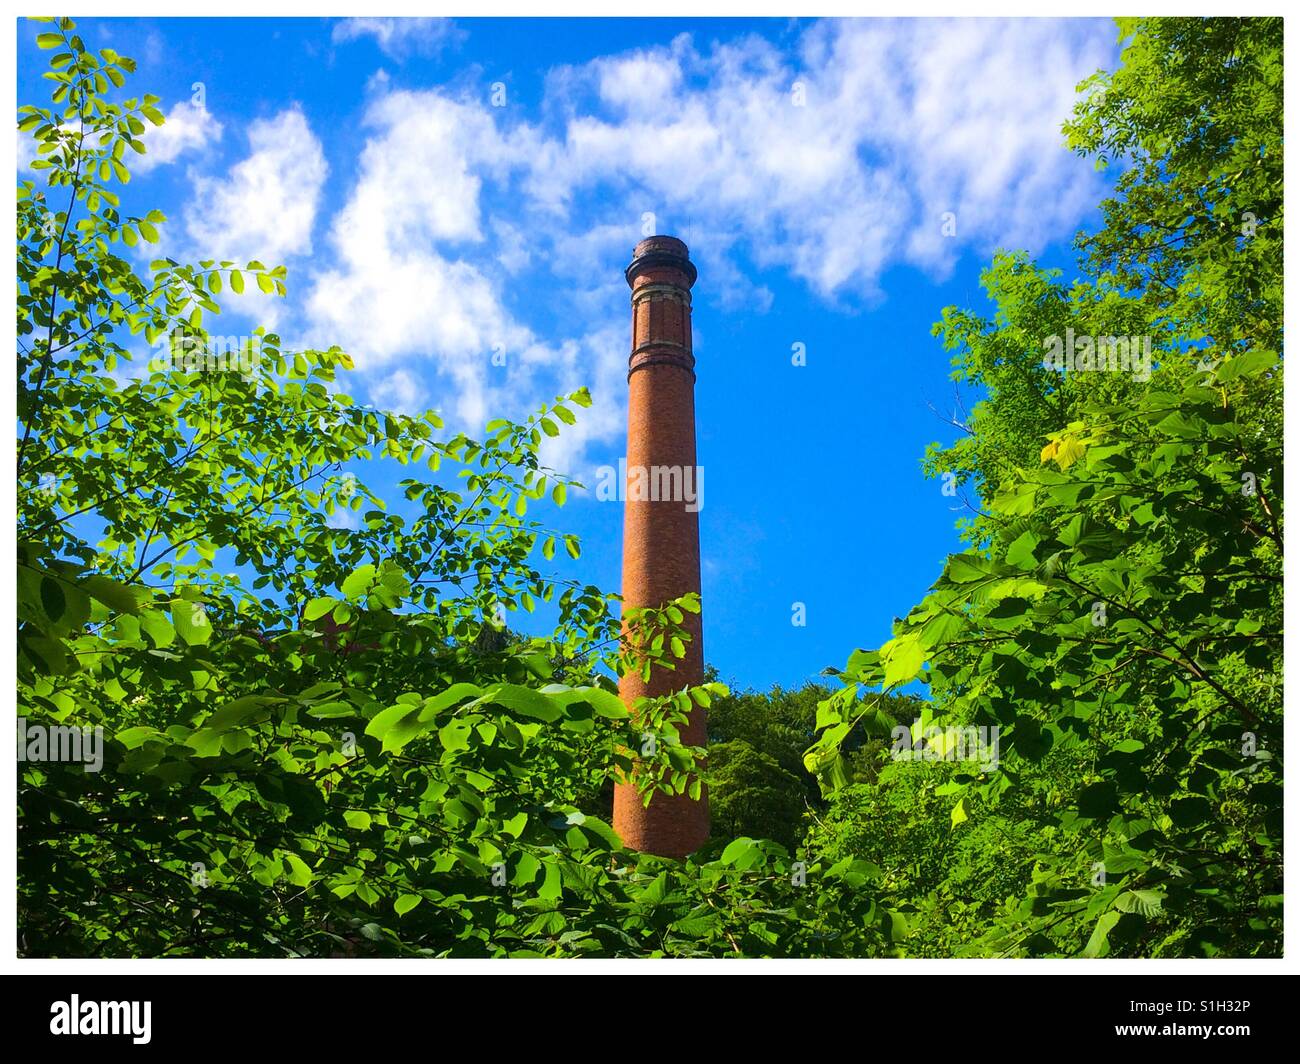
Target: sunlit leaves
(1118,615)
(903,658)
(960,812)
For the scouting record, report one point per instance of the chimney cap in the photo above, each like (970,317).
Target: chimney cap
(661,251)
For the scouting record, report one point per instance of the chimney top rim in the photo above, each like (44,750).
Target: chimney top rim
(661,250)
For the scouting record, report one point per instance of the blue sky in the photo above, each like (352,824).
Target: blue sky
(441,191)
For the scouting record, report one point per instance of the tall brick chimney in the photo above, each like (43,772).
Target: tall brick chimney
(661,539)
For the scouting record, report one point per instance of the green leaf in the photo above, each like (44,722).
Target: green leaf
(1188,812)
(605,703)
(53,600)
(134,737)
(396,726)
(359,582)
(318,607)
(299,871)
(158,628)
(1145,902)
(454,735)
(964,568)
(113,594)
(961,811)
(405,903)
(903,658)
(1021,552)
(550,888)
(741,852)
(332,710)
(236,712)
(190,620)
(457,692)
(524,701)
(526,868)
(1098,800)
(1098,943)
(1247,364)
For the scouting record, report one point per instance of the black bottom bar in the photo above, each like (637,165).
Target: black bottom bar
(336,1012)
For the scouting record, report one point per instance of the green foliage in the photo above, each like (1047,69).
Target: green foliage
(1119,616)
(956,877)
(779,723)
(758,784)
(748,790)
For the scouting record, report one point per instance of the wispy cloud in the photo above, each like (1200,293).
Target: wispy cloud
(189,128)
(841,158)
(400,38)
(265,205)
(401,285)
(26,152)
(859,147)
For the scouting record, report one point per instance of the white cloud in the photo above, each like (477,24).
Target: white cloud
(512,246)
(188,127)
(398,286)
(838,162)
(598,362)
(343,517)
(26,152)
(419,284)
(265,206)
(400,37)
(638,82)
(457,206)
(968,116)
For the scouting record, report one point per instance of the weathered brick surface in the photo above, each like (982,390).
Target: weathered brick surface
(661,540)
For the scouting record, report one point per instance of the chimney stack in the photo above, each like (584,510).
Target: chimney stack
(661,538)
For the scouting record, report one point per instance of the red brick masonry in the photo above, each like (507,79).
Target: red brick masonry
(661,540)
